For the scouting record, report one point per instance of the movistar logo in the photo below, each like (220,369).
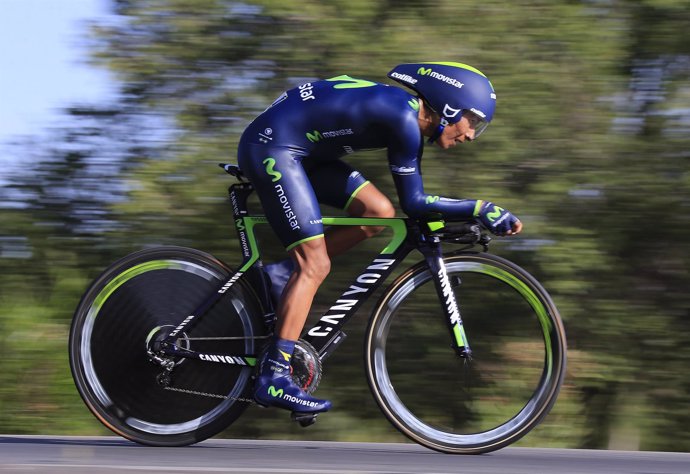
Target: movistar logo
(270,163)
(414,103)
(275,393)
(448,80)
(314,136)
(492,216)
(239,224)
(430,199)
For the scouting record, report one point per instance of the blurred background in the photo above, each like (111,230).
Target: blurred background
(590,147)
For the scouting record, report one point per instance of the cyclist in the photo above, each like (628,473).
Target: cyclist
(292,155)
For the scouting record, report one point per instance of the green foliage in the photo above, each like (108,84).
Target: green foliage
(589,147)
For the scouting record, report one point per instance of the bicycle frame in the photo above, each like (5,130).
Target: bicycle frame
(327,333)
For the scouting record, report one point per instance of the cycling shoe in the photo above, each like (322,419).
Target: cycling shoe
(280,391)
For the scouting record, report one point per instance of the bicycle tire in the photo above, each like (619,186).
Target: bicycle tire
(456,405)
(135,299)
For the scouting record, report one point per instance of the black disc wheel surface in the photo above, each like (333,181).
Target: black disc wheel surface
(124,316)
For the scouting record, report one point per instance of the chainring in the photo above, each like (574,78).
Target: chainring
(306,366)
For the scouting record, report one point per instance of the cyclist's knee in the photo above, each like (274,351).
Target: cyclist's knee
(316,269)
(382,208)
(311,260)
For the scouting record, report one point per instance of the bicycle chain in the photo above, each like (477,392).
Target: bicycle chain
(212,395)
(206,394)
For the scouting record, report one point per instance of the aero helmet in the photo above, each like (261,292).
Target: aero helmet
(450,89)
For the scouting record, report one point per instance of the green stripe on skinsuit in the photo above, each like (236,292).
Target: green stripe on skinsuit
(354,194)
(292,246)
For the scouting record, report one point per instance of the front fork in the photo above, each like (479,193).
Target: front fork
(434,259)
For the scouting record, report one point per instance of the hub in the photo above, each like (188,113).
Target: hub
(155,338)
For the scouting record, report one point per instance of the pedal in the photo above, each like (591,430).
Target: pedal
(304,419)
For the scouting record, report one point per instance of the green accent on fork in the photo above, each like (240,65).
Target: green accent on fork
(460,337)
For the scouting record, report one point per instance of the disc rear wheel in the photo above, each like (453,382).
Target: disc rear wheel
(118,327)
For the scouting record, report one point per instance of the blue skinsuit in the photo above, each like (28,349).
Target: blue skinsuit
(291,153)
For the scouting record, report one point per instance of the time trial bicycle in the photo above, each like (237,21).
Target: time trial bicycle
(465,352)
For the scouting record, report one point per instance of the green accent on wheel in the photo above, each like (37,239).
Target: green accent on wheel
(436,225)
(354,193)
(533,301)
(127,275)
(151,333)
(397,224)
(460,337)
(314,237)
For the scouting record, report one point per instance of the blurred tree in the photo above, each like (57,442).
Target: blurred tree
(589,148)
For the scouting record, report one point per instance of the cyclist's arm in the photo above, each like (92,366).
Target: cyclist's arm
(418,204)
(404,157)
(405,149)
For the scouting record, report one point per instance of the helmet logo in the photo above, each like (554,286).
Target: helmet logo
(404,77)
(422,71)
(450,112)
(478,112)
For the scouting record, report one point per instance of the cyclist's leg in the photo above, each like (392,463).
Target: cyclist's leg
(293,212)
(339,185)
(311,266)
(369,202)
(275,385)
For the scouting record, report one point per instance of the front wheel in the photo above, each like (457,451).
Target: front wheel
(456,405)
(138,301)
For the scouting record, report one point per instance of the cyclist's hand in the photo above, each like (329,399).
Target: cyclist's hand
(498,220)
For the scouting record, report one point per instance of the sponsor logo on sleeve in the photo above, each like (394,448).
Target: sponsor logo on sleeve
(403,169)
